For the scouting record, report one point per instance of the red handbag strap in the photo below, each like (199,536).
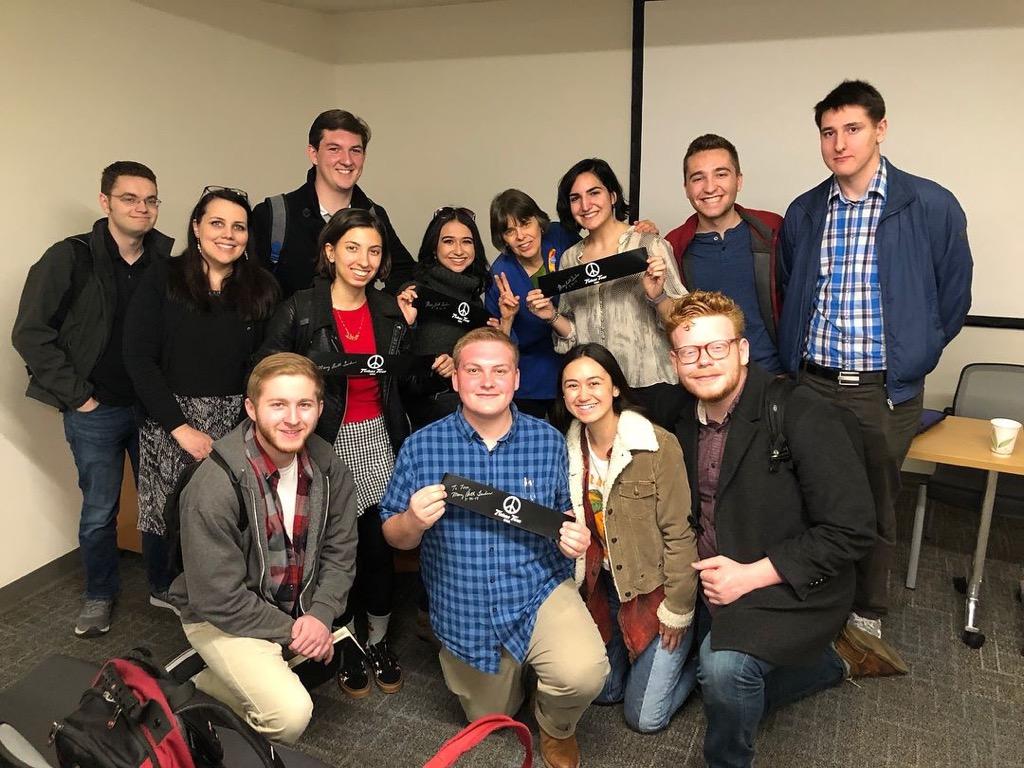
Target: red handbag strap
(476,732)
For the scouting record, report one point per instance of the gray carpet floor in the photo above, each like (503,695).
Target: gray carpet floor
(957,707)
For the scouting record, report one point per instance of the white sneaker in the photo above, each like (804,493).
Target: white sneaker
(871,626)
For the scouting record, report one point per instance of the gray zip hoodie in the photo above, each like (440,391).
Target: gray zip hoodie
(226,580)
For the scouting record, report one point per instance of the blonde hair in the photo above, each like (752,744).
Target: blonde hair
(486,333)
(703,304)
(283,364)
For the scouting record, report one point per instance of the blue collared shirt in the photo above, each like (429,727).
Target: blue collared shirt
(726,264)
(846,329)
(485,579)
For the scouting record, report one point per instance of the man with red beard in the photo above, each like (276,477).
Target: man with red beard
(776,543)
(264,583)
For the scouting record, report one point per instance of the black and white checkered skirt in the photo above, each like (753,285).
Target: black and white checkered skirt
(365,447)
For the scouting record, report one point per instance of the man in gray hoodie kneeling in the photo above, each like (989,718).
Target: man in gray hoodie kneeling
(265,583)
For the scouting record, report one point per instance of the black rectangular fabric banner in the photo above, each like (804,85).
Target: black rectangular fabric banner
(503,507)
(338,364)
(594,272)
(450,310)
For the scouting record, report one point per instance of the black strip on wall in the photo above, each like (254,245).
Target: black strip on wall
(990,321)
(636,109)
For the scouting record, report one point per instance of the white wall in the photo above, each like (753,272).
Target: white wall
(466,101)
(86,83)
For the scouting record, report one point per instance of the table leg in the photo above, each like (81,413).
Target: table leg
(915,544)
(978,568)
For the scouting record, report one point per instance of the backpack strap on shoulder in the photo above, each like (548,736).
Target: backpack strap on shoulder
(243,517)
(81,268)
(775,396)
(278,228)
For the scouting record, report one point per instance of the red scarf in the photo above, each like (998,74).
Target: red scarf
(638,617)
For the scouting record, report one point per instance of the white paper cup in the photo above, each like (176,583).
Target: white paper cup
(1004,435)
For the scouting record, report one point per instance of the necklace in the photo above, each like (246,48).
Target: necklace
(347,333)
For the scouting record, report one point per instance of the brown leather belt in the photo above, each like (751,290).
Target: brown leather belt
(844,378)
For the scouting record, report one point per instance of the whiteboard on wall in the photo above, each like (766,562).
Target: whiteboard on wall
(953,105)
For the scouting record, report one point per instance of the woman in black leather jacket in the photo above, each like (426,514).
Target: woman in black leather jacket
(363,417)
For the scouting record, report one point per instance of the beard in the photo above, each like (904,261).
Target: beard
(720,390)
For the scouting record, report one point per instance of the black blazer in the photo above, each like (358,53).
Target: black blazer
(813,518)
(288,331)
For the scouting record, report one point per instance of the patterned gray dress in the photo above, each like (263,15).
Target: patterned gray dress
(161,459)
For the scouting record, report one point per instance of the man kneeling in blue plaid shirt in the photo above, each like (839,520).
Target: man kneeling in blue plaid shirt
(501,598)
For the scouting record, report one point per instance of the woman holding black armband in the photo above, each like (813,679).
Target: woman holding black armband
(624,314)
(190,330)
(363,416)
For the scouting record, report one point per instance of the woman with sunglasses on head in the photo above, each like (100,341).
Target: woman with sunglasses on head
(363,417)
(624,314)
(190,330)
(628,484)
(451,262)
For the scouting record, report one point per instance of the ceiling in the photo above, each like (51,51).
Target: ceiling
(340,6)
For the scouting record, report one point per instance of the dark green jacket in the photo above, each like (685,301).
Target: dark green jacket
(66,314)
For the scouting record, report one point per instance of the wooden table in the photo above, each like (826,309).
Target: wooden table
(963,442)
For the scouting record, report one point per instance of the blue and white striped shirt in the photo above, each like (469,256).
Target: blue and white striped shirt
(846,329)
(485,579)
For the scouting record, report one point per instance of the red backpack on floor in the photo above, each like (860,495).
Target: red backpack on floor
(136,716)
(476,732)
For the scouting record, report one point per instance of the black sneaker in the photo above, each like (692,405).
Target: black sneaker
(352,677)
(386,671)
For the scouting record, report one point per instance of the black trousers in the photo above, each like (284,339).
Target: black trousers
(374,585)
(887,434)
(661,403)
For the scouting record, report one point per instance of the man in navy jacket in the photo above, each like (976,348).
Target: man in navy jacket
(876,272)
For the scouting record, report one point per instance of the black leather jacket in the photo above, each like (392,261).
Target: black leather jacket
(304,324)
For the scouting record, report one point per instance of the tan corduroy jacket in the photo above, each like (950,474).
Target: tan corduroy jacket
(646,506)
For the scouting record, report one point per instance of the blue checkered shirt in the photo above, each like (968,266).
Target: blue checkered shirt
(485,579)
(846,328)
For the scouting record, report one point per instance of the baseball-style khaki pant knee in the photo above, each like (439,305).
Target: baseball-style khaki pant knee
(252,677)
(566,654)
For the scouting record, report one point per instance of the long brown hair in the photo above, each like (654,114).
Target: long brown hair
(249,289)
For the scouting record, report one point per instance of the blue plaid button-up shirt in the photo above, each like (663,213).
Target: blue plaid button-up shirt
(846,328)
(485,579)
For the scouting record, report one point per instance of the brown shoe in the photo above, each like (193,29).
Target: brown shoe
(867,655)
(559,753)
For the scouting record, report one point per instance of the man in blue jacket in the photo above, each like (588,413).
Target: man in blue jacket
(876,272)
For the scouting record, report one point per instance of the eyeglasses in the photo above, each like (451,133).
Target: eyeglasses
(717,350)
(131,200)
(518,227)
(215,188)
(447,209)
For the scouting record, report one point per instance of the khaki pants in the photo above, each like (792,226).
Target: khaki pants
(252,677)
(565,652)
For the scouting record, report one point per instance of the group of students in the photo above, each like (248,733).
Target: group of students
(677,521)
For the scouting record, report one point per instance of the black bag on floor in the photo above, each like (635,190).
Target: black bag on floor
(136,716)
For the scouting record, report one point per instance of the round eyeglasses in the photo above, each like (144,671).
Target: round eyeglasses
(716,350)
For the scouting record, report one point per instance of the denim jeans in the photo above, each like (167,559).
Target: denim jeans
(740,689)
(99,440)
(655,685)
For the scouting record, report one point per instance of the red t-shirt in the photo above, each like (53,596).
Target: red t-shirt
(363,400)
